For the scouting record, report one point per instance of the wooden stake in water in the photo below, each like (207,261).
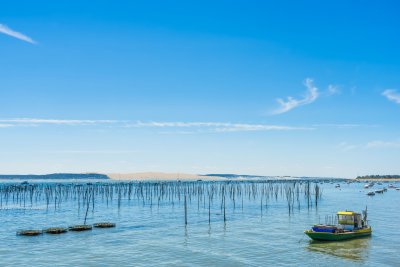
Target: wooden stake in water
(224,204)
(185,210)
(87,205)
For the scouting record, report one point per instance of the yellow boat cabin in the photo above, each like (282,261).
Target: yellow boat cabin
(350,220)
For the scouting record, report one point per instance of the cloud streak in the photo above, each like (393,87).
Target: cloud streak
(333,90)
(36,122)
(375,144)
(187,127)
(217,126)
(92,152)
(7,31)
(3,125)
(392,95)
(383,144)
(291,102)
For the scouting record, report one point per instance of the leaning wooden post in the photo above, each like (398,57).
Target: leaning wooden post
(185,211)
(224,204)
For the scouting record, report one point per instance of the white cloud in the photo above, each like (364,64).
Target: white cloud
(177,124)
(291,103)
(217,126)
(4,29)
(190,127)
(35,122)
(346,125)
(376,144)
(392,95)
(383,144)
(333,90)
(2,125)
(92,152)
(258,127)
(347,147)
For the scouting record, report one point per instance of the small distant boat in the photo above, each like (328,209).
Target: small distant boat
(337,186)
(380,191)
(351,225)
(398,189)
(392,186)
(371,193)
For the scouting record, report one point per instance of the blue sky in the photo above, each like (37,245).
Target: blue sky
(308,88)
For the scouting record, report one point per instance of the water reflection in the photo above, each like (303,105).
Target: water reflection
(356,249)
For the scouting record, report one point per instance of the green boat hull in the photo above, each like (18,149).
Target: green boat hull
(322,236)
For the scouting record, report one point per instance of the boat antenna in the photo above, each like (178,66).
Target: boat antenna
(365,213)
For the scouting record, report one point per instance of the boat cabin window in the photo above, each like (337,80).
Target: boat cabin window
(346,219)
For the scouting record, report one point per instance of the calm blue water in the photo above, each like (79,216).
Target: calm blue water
(149,233)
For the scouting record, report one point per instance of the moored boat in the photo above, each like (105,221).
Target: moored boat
(369,185)
(350,225)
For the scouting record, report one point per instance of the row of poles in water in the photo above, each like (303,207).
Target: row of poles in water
(204,194)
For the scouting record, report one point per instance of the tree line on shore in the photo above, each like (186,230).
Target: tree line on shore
(379,177)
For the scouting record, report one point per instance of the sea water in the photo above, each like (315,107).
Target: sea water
(155,234)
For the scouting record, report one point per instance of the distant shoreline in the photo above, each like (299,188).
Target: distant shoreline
(161,176)
(384,177)
(378,179)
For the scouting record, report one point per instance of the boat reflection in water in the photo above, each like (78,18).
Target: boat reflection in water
(354,249)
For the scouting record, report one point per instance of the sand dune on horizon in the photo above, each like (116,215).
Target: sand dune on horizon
(160,176)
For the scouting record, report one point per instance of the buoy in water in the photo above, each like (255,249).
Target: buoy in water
(104,225)
(55,230)
(79,228)
(30,232)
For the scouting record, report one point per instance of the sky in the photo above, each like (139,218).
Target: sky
(302,88)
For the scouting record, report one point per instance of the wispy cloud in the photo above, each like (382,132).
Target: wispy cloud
(345,125)
(36,122)
(92,152)
(6,30)
(383,144)
(169,127)
(344,146)
(392,95)
(310,96)
(217,126)
(376,144)
(2,125)
(333,90)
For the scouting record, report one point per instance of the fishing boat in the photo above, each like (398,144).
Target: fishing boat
(369,185)
(350,225)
